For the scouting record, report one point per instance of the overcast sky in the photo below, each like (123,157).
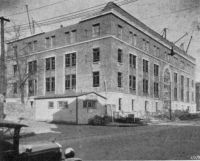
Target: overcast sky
(179,16)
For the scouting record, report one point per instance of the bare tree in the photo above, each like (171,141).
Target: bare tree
(26,70)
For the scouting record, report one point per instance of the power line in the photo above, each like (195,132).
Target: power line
(72,15)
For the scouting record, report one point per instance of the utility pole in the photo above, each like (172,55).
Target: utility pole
(29,22)
(2,69)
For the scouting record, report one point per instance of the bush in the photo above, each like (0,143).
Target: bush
(98,120)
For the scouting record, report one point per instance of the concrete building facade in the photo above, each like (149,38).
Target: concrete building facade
(111,53)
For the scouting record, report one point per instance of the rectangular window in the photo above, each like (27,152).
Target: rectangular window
(96,55)
(70,60)
(135,40)
(119,79)
(119,31)
(132,60)
(175,78)
(120,104)
(175,94)
(15,88)
(73,59)
(130,37)
(156,106)
(96,30)
(32,67)
(73,81)
(67,37)
(62,104)
(32,87)
(73,36)
(14,70)
(50,105)
(53,41)
(145,86)
(96,79)
(91,104)
(67,82)
(192,84)
(120,55)
(182,88)
(30,47)
(156,89)
(145,66)
(35,45)
(67,60)
(50,63)
(156,70)
(50,84)
(47,42)
(133,102)
(132,82)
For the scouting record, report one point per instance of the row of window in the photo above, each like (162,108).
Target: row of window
(89,104)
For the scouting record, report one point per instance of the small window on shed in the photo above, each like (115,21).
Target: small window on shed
(62,104)
(89,104)
(50,105)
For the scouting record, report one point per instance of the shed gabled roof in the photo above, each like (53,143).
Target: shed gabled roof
(69,95)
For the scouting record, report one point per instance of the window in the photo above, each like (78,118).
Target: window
(32,67)
(67,37)
(47,42)
(96,55)
(130,37)
(70,82)
(145,66)
(120,103)
(50,105)
(96,30)
(132,103)
(15,69)
(91,104)
(182,88)
(119,31)
(30,47)
(119,79)
(188,88)
(145,45)
(135,40)
(73,81)
(120,55)
(95,79)
(156,89)
(156,70)
(192,84)
(132,82)
(50,63)
(73,59)
(70,60)
(15,88)
(53,41)
(50,84)
(67,82)
(62,104)
(35,45)
(73,36)
(145,86)
(132,60)
(175,93)
(175,78)
(32,87)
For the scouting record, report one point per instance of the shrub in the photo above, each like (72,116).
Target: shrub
(98,120)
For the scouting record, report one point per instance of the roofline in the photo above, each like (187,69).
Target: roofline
(67,96)
(151,33)
(25,38)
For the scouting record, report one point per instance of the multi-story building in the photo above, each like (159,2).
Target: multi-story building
(113,54)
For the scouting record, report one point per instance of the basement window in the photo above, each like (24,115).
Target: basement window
(50,105)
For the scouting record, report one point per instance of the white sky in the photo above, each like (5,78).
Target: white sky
(179,16)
